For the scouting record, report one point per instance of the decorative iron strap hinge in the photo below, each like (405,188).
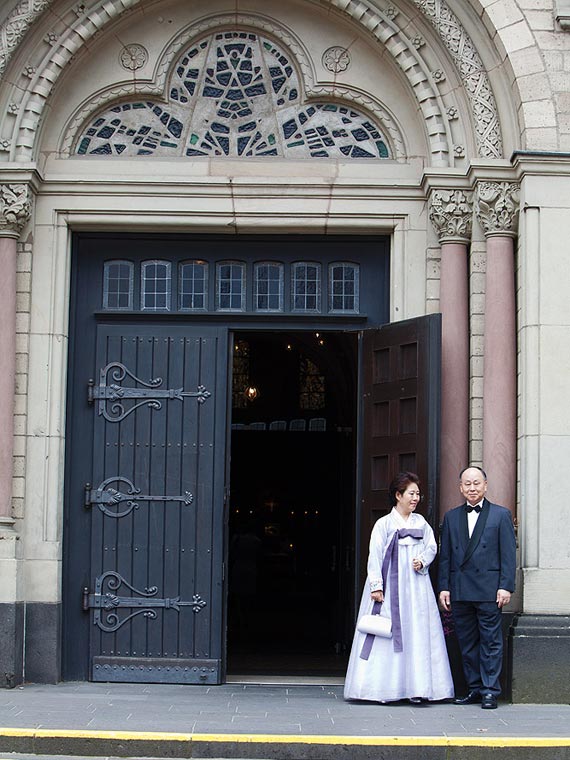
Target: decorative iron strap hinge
(105,497)
(106,603)
(111,395)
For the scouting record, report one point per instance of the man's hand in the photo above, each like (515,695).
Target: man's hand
(445,600)
(503,597)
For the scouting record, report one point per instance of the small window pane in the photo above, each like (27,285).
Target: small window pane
(194,286)
(268,287)
(230,286)
(155,286)
(118,279)
(344,287)
(306,287)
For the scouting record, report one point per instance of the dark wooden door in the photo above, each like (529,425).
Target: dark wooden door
(155,504)
(400,383)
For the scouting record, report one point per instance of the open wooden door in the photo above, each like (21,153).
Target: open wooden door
(400,394)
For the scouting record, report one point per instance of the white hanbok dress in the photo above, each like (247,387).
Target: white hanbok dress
(422,668)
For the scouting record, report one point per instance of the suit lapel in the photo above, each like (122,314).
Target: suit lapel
(477,532)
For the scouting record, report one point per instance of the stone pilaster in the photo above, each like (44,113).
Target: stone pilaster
(15,209)
(451,213)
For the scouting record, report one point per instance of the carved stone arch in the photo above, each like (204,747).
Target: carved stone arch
(28,111)
(156,87)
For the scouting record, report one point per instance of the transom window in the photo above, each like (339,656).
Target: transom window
(343,287)
(118,285)
(156,285)
(230,285)
(194,286)
(268,287)
(306,286)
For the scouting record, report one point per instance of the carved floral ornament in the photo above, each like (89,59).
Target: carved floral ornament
(497,207)
(451,213)
(15,209)
(383,23)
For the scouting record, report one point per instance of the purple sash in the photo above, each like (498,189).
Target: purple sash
(391,561)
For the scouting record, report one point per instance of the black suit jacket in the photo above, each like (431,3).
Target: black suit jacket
(473,569)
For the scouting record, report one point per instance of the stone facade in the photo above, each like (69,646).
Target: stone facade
(471,103)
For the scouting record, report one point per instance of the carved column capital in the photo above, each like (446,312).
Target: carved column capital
(15,208)
(497,207)
(451,213)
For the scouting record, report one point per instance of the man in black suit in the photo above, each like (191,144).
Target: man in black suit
(476,578)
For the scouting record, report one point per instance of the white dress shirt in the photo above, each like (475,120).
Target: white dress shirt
(472,518)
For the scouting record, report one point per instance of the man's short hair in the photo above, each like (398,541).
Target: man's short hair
(473,467)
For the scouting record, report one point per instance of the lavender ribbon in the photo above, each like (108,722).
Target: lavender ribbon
(391,562)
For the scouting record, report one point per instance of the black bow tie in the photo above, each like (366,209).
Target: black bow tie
(478,508)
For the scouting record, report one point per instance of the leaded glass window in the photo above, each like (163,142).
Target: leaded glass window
(240,374)
(311,385)
(233,93)
(306,286)
(118,282)
(268,283)
(230,286)
(193,286)
(155,285)
(343,287)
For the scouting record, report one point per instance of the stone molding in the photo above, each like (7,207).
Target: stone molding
(382,25)
(562,13)
(451,213)
(15,208)
(497,207)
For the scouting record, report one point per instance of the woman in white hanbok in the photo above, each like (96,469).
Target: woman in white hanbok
(413,664)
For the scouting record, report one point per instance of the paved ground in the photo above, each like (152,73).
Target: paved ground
(269,721)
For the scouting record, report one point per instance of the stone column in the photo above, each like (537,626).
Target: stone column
(15,204)
(497,208)
(451,213)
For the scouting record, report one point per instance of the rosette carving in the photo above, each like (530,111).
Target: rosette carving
(451,213)
(497,207)
(15,208)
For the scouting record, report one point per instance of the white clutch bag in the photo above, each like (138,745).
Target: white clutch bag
(376,625)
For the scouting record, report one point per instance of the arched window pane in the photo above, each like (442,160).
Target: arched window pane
(193,285)
(344,287)
(118,280)
(230,286)
(268,294)
(155,285)
(306,287)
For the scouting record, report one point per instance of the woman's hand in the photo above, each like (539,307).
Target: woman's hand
(377,596)
(417,564)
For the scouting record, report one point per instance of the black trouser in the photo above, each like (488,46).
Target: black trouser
(480,635)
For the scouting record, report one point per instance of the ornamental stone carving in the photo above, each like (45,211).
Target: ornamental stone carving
(336,59)
(16,26)
(497,207)
(451,213)
(15,209)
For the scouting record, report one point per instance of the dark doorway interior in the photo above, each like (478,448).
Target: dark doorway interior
(291,539)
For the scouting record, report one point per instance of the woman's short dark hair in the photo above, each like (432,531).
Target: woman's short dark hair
(400,483)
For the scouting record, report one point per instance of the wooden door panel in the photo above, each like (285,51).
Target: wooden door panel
(157,504)
(400,414)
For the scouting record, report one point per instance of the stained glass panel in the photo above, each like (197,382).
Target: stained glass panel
(237,94)
(311,385)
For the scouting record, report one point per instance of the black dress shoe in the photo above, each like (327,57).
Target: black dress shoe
(489,701)
(473,698)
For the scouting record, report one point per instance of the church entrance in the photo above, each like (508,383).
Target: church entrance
(292,503)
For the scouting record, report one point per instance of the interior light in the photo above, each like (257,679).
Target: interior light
(251,393)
